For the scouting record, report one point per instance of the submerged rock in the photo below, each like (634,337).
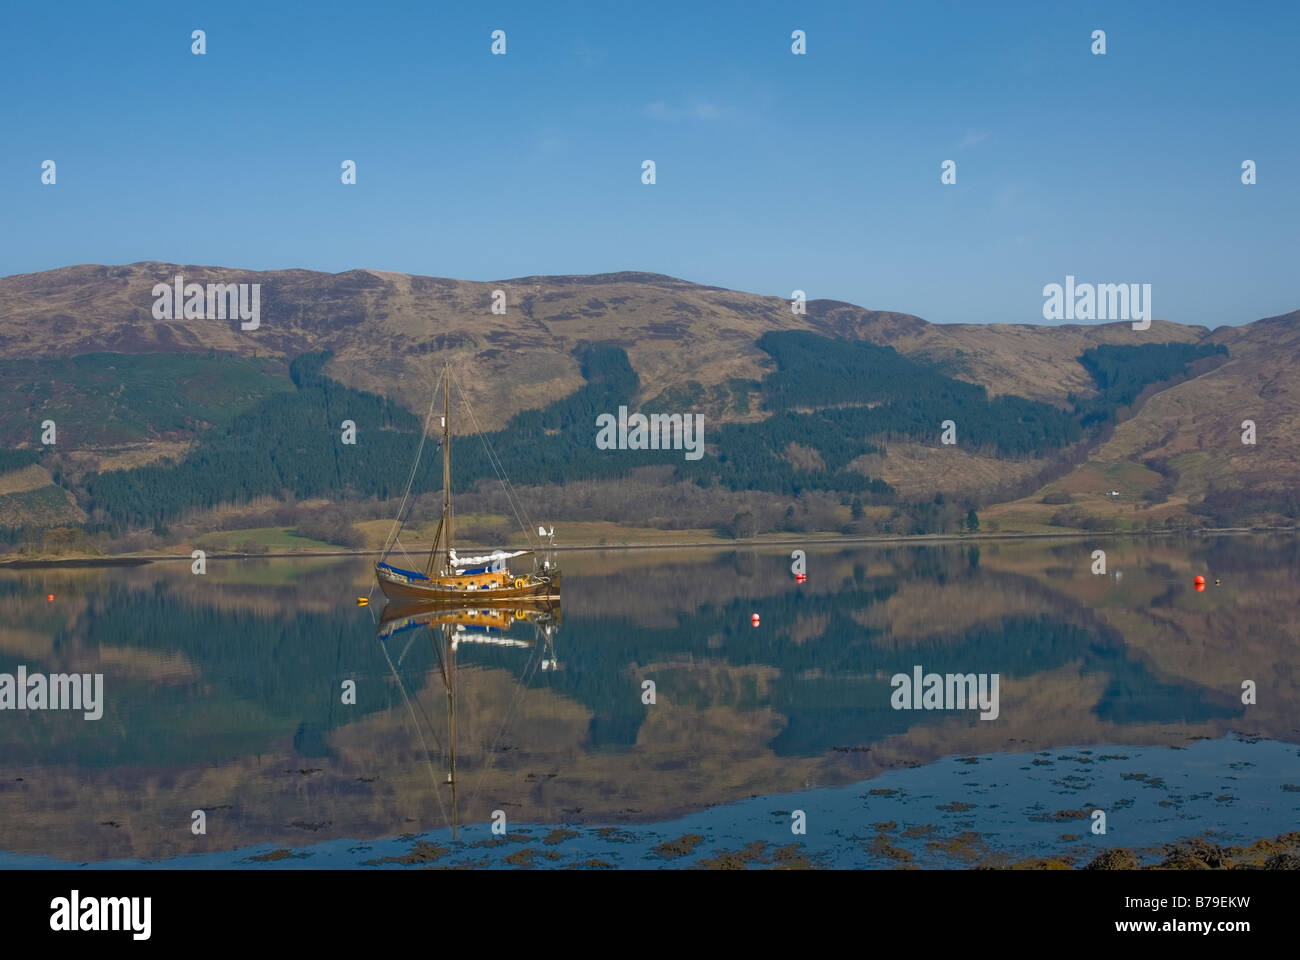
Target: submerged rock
(1116,858)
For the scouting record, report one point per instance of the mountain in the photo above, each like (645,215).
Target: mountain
(785,416)
(1183,450)
(382,328)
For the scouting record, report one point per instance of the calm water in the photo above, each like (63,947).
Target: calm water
(224,693)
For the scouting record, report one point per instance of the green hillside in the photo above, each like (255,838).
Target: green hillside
(263,434)
(107,398)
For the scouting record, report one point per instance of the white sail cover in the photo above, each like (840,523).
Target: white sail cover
(483,560)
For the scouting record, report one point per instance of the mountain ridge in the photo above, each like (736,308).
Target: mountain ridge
(698,343)
(304,310)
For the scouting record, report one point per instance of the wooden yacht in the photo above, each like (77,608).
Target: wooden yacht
(449,578)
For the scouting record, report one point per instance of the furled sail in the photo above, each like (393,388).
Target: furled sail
(487,558)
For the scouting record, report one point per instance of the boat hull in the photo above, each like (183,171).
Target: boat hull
(397,587)
(496,614)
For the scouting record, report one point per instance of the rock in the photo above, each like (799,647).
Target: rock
(1116,858)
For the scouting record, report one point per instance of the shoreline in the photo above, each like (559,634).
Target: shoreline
(891,820)
(817,539)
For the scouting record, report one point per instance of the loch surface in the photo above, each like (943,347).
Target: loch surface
(229,693)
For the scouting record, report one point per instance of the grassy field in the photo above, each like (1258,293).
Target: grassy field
(273,539)
(418,538)
(497,530)
(48,506)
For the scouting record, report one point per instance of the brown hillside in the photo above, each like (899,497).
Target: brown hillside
(387,331)
(1196,427)
(383,327)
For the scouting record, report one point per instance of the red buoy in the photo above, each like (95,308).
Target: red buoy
(50,598)
(754,619)
(1199,581)
(800,577)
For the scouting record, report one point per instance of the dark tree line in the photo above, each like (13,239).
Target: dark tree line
(17,459)
(1123,372)
(835,398)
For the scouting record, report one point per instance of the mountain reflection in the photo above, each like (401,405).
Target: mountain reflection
(225,691)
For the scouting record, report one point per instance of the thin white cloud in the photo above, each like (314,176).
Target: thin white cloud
(552,142)
(973,137)
(693,109)
(587,56)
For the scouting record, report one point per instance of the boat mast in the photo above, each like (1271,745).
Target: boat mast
(443,535)
(446,460)
(451,709)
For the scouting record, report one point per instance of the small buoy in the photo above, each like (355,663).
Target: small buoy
(49,598)
(363,601)
(800,577)
(754,619)
(1199,581)
(1217,582)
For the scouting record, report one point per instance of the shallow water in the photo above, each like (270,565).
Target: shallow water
(1120,692)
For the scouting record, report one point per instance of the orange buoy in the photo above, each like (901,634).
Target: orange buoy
(1199,581)
(49,598)
(754,619)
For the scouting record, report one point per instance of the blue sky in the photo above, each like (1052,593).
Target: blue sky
(775,172)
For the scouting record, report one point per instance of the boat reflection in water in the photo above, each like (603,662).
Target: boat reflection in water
(527,626)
